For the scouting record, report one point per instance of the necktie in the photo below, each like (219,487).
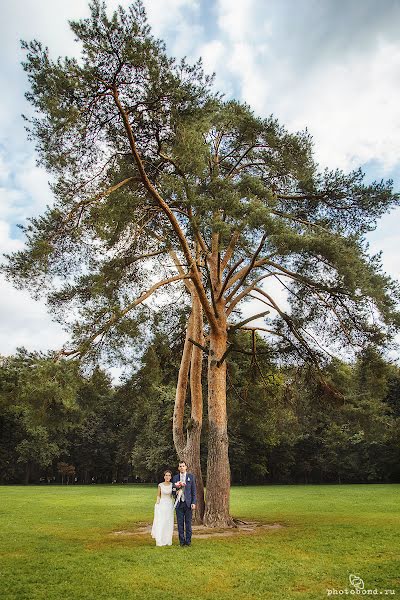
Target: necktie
(183,478)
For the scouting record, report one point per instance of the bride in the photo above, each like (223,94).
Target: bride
(163,523)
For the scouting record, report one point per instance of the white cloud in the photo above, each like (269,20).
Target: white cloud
(238,20)
(352,110)
(26,322)
(24,188)
(164,17)
(346,96)
(7,244)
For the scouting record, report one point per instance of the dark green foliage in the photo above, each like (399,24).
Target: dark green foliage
(349,439)
(38,400)
(284,426)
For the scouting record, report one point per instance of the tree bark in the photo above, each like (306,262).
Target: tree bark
(181,391)
(192,452)
(218,469)
(189,449)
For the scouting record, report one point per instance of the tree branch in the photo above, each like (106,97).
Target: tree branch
(289,323)
(239,325)
(297,220)
(246,292)
(239,160)
(198,345)
(247,269)
(230,273)
(166,209)
(298,277)
(81,205)
(122,313)
(230,249)
(264,329)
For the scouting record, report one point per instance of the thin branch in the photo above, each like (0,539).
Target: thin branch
(259,299)
(257,316)
(248,268)
(333,309)
(328,304)
(316,342)
(264,329)
(297,220)
(211,289)
(126,261)
(230,249)
(81,186)
(301,197)
(116,317)
(196,231)
(230,273)
(247,165)
(289,323)
(246,292)
(301,356)
(298,277)
(239,160)
(205,350)
(172,162)
(81,205)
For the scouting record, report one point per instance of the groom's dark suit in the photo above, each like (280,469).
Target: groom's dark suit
(184,509)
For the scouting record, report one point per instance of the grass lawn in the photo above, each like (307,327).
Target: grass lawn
(57,543)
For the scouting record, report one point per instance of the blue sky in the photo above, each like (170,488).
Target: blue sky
(333,67)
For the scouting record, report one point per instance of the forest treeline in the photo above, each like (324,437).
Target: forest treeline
(286,424)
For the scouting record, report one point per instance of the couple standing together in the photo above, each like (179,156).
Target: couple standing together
(177,492)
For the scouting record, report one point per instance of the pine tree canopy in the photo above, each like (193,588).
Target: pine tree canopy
(163,186)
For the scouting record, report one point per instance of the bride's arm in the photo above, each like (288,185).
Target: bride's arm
(158,494)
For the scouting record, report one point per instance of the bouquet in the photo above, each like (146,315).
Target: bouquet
(178,488)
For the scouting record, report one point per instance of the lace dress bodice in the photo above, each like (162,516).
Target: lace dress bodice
(166,492)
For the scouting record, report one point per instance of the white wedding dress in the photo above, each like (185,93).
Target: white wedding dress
(163,523)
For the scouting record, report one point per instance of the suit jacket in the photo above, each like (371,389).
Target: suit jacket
(190,489)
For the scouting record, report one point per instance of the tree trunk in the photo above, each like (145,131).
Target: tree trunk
(218,470)
(192,452)
(189,449)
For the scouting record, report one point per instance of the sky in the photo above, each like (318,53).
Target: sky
(329,66)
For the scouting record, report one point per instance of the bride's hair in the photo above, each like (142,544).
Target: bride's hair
(168,471)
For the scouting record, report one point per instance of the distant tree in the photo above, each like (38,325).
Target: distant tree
(39,397)
(65,470)
(255,400)
(348,438)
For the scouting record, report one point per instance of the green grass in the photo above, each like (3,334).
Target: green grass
(56,543)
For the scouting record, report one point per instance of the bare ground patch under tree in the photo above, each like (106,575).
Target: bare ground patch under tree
(200,531)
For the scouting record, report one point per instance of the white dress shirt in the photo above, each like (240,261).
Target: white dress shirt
(183,480)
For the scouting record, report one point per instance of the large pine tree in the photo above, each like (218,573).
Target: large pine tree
(160,184)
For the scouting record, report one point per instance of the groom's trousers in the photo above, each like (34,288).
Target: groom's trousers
(184,519)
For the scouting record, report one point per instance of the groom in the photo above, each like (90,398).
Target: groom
(186,504)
